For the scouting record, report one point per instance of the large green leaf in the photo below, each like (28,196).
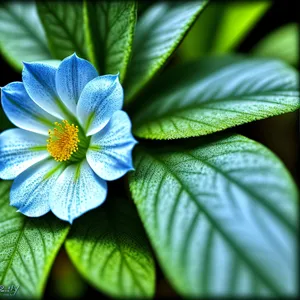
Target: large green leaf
(109,248)
(158,33)
(214,94)
(222,26)
(109,28)
(221,217)
(63,23)
(282,43)
(21,34)
(28,247)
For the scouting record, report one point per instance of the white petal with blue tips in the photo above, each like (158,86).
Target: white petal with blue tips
(71,77)
(31,190)
(100,98)
(77,190)
(110,151)
(22,111)
(39,82)
(20,149)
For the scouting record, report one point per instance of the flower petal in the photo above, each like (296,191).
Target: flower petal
(100,98)
(71,77)
(39,82)
(20,149)
(31,189)
(22,111)
(109,153)
(77,190)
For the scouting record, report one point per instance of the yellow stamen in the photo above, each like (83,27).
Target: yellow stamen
(63,141)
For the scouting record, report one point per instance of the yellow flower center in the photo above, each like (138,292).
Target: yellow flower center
(63,141)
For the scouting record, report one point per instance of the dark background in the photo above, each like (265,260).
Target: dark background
(280,134)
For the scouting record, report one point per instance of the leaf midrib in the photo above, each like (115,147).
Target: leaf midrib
(15,250)
(68,33)
(231,242)
(261,200)
(123,257)
(201,105)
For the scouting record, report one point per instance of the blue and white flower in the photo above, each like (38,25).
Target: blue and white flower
(72,138)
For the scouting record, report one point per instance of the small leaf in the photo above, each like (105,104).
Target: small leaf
(282,43)
(28,247)
(214,94)
(109,248)
(158,33)
(221,28)
(222,217)
(109,29)
(63,25)
(22,37)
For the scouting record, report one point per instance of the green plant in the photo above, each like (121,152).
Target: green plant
(219,209)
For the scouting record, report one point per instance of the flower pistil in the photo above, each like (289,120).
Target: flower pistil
(63,140)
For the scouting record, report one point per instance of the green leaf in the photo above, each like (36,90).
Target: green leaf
(282,43)
(109,248)
(214,94)
(63,25)
(222,26)
(28,247)
(21,34)
(158,33)
(222,217)
(109,28)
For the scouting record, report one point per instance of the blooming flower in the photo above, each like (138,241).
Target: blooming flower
(72,138)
